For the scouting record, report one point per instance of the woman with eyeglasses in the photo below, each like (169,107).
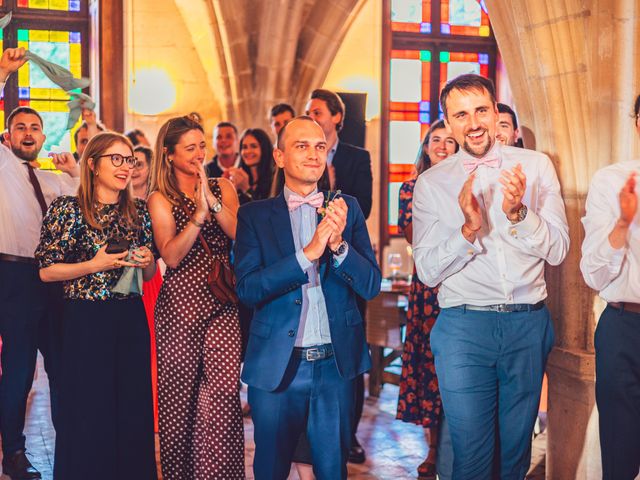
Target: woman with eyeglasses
(105,405)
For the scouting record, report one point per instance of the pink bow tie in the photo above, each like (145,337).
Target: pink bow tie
(294,201)
(470,164)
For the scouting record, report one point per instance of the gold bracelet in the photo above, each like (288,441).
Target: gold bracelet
(197,223)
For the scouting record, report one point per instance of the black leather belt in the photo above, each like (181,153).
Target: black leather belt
(15,258)
(317,352)
(626,306)
(503,307)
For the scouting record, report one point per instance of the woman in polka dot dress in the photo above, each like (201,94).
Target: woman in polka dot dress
(198,337)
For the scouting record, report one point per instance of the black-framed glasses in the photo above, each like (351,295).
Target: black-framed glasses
(117,160)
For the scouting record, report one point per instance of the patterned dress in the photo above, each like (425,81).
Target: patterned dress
(198,347)
(419,399)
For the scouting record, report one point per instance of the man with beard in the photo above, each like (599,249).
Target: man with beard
(27,305)
(486,220)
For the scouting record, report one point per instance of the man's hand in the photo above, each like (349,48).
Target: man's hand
(336,211)
(12,59)
(628,201)
(239,178)
(316,247)
(89,116)
(471,210)
(514,184)
(66,163)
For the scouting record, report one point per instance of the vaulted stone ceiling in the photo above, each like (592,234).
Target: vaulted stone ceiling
(268,51)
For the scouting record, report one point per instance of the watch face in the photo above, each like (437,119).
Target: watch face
(217,207)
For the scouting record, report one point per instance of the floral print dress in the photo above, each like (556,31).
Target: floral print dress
(419,399)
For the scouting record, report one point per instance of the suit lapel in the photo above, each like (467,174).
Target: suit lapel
(281,224)
(339,166)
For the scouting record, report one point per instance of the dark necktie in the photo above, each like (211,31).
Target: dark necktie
(38,190)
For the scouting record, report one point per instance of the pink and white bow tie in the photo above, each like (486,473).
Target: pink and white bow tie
(471,163)
(294,201)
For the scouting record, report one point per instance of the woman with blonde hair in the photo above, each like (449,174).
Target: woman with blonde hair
(93,243)
(197,333)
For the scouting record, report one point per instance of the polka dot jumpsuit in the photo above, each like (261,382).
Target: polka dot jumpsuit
(198,345)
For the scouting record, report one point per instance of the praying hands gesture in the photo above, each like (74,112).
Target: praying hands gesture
(471,210)
(12,59)
(514,184)
(628,209)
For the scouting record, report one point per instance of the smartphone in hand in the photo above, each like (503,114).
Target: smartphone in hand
(117,245)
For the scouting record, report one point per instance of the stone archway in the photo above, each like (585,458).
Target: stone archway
(573,69)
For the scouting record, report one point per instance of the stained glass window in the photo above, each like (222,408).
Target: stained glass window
(411,16)
(37,91)
(464,17)
(409,117)
(59,5)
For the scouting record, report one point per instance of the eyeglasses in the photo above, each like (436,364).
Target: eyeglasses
(117,160)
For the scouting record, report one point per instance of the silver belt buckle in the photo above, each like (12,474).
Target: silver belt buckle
(502,307)
(312,354)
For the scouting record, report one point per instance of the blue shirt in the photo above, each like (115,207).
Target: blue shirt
(313,328)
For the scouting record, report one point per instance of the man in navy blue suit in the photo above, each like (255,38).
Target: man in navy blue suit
(301,258)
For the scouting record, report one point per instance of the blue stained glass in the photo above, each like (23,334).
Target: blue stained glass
(424,106)
(23,92)
(425,27)
(445,28)
(74,6)
(424,117)
(74,37)
(483,58)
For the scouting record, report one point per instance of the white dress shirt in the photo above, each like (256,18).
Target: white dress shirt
(615,273)
(20,213)
(505,264)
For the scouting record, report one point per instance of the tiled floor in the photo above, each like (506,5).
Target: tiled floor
(394,448)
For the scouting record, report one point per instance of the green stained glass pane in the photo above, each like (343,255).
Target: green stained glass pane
(55,52)
(23,35)
(425,56)
(55,127)
(444,57)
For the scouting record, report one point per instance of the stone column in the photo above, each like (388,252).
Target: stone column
(573,69)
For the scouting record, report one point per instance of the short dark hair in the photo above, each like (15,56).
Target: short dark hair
(281,108)
(18,111)
(468,81)
(148,153)
(132,135)
(280,140)
(636,108)
(504,108)
(226,124)
(334,103)
(84,125)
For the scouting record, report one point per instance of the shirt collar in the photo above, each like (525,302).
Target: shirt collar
(495,150)
(332,152)
(288,192)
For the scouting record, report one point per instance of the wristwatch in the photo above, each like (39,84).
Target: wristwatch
(217,207)
(522,214)
(340,249)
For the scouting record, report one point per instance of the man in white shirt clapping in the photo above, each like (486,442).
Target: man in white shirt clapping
(611,265)
(486,220)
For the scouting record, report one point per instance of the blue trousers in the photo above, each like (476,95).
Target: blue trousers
(618,393)
(490,368)
(312,397)
(30,315)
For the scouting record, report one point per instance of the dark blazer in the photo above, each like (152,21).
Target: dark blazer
(269,279)
(353,174)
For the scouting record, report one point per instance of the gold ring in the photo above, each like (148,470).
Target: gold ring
(116,263)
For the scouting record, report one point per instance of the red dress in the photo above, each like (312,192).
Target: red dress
(151,289)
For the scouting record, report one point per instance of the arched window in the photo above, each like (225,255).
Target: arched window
(425,44)
(57,30)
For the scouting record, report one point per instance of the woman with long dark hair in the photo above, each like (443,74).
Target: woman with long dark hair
(419,400)
(105,407)
(256,157)
(197,334)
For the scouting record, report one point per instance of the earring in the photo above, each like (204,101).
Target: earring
(96,174)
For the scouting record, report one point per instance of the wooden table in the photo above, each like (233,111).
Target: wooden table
(386,315)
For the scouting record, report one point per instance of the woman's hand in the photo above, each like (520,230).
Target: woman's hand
(203,185)
(200,199)
(142,257)
(103,261)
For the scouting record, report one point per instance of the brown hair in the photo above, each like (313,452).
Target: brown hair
(87,192)
(162,178)
(468,81)
(334,103)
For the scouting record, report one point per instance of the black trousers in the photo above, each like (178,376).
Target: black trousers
(617,342)
(106,406)
(29,321)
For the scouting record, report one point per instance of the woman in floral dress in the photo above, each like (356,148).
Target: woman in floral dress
(419,400)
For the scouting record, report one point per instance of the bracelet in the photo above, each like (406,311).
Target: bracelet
(196,223)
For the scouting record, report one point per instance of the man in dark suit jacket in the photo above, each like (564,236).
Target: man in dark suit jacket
(301,273)
(349,166)
(349,170)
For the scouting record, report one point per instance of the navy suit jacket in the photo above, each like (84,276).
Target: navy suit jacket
(269,279)
(353,174)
